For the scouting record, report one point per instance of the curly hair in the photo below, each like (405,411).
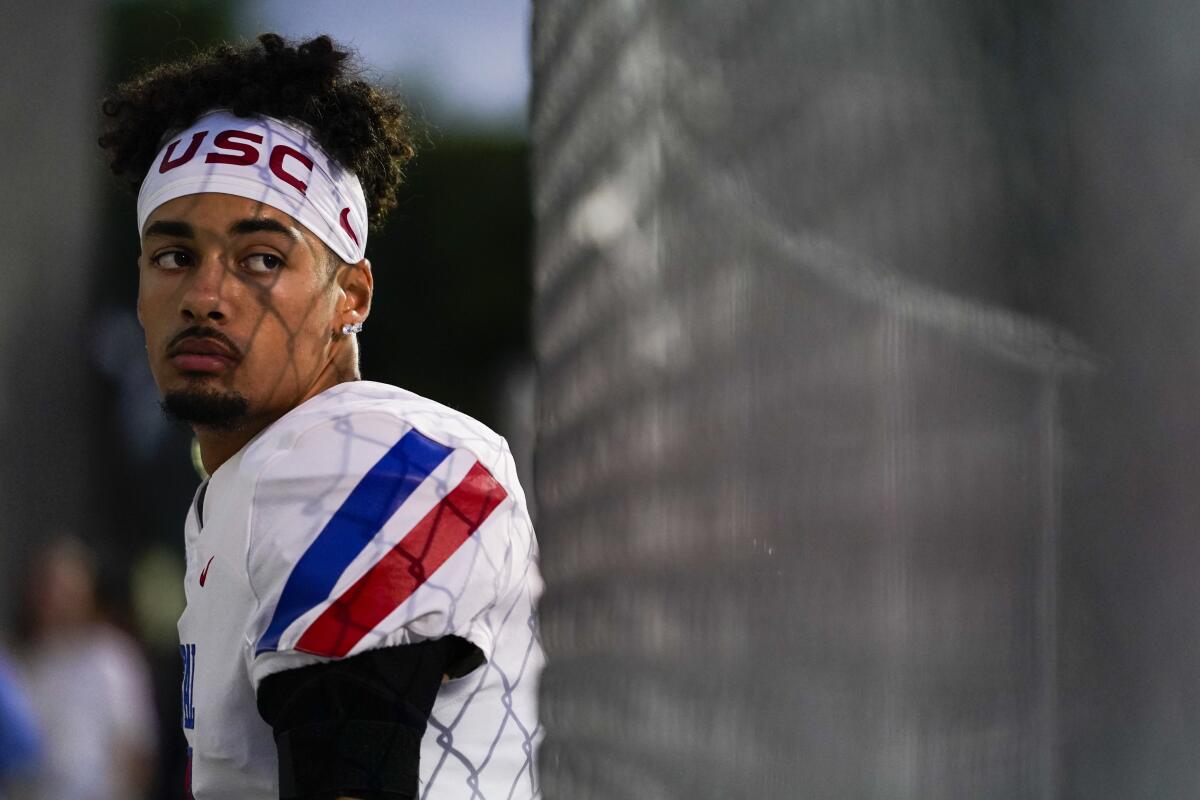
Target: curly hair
(360,126)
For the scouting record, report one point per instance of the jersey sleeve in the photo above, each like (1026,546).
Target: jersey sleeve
(368,533)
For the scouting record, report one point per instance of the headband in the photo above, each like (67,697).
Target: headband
(264,159)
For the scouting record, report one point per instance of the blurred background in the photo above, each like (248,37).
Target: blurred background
(848,350)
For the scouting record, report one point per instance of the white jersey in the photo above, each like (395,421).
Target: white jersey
(364,518)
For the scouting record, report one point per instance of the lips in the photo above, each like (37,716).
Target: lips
(206,355)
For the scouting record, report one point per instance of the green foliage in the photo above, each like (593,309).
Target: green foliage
(144,33)
(452,274)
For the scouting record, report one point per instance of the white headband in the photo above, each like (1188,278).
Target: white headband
(267,160)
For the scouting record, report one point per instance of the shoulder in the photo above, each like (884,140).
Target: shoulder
(334,472)
(374,507)
(349,428)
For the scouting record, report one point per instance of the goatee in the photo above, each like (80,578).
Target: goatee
(222,411)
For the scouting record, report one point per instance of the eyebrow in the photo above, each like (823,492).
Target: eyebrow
(170,227)
(259,224)
(183,230)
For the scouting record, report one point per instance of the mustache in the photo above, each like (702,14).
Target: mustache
(204,332)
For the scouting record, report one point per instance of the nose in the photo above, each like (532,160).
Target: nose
(204,296)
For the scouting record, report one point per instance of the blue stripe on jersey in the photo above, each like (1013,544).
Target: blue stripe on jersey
(372,503)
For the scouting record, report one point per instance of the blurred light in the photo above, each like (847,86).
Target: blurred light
(157,590)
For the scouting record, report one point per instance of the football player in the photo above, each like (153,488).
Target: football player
(361,568)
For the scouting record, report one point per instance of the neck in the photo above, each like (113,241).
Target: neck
(218,446)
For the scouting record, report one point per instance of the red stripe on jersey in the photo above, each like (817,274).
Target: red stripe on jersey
(405,567)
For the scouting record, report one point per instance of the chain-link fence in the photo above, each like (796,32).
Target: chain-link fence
(815,442)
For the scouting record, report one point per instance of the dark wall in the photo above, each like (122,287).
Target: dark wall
(48,235)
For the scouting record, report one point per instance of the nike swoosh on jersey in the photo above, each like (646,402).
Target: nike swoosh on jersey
(204,572)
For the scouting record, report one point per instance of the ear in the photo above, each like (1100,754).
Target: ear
(357,285)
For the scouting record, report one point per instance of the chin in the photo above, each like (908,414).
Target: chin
(212,407)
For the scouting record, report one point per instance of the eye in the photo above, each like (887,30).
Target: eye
(263,262)
(172,259)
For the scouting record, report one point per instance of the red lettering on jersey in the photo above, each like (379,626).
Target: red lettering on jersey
(345,220)
(168,164)
(229,141)
(282,151)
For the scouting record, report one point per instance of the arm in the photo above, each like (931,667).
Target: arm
(352,729)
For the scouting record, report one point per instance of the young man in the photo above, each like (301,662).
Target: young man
(361,568)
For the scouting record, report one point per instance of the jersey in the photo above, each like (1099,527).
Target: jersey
(366,517)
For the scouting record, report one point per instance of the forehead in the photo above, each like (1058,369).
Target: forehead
(212,213)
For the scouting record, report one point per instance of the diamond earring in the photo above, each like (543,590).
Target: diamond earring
(348,329)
